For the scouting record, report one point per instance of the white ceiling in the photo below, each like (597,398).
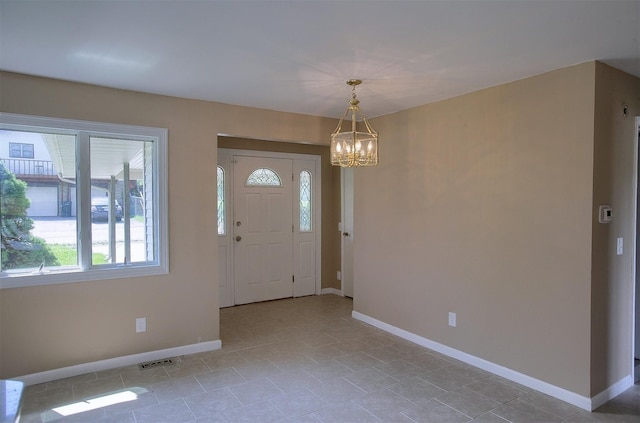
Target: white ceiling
(296,55)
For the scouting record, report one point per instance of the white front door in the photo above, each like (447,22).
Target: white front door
(262,229)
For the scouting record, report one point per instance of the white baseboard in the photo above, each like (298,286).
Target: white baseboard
(112,363)
(562,394)
(333,291)
(611,392)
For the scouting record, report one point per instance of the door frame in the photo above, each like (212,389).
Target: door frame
(225,156)
(635,323)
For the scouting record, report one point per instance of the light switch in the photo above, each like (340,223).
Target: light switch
(620,247)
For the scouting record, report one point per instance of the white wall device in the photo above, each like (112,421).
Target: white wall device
(605,215)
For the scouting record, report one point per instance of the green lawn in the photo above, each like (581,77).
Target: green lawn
(68,256)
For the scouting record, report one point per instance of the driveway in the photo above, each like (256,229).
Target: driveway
(62,230)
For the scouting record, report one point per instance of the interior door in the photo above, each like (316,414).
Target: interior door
(262,229)
(347,231)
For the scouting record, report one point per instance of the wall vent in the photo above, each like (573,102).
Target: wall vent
(157,363)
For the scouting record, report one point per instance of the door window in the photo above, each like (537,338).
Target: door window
(263,177)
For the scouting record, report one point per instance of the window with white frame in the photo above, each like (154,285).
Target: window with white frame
(100,213)
(18,150)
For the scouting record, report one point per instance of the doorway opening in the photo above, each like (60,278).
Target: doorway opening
(269,225)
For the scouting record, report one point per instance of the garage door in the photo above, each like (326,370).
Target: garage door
(44,201)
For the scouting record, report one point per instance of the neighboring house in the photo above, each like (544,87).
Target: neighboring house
(26,155)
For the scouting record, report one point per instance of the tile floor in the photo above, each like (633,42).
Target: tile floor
(307,360)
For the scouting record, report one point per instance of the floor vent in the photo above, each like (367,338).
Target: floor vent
(157,363)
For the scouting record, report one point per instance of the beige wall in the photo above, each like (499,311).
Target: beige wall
(612,275)
(484,203)
(83,322)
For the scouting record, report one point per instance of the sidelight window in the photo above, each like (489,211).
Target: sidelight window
(305,201)
(221,202)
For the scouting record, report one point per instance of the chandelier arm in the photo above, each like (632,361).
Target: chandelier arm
(339,127)
(369,128)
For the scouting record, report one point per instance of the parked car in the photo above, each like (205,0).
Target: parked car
(100,209)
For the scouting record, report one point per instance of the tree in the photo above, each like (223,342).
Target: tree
(19,248)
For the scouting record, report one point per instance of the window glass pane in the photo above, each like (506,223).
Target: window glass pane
(263,177)
(121,206)
(305,201)
(27,151)
(37,201)
(221,208)
(15,150)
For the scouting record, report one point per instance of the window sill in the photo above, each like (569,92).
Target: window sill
(70,275)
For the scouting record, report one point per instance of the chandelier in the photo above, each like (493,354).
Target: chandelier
(354,148)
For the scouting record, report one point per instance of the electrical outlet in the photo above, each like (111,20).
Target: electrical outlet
(141,324)
(452,319)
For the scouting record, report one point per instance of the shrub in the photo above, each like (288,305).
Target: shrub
(20,249)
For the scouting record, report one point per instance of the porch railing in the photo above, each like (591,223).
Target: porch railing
(21,167)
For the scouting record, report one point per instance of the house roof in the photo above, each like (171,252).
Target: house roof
(295,56)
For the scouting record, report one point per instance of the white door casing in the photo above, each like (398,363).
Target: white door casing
(636,308)
(304,244)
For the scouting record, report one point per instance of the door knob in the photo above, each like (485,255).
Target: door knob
(345,234)
(238,238)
